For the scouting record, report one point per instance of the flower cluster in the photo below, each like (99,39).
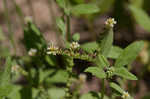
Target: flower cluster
(52,50)
(32,52)
(74,45)
(125,95)
(110,22)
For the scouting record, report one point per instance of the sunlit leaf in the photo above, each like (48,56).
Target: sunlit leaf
(96,72)
(141,17)
(56,93)
(115,52)
(84,9)
(123,72)
(116,87)
(59,76)
(129,54)
(102,62)
(105,42)
(76,37)
(89,47)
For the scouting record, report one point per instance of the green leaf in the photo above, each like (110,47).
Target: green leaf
(84,9)
(89,47)
(51,60)
(35,92)
(105,5)
(141,17)
(61,25)
(15,93)
(115,52)
(102,62)
(44,74)
(56,93)
(5,76)
(2,37)
(5,90)
(26,92)
(65,5)
(116,87)
(96,72)
(76,37)
(78,1)
(137,3)
(105,42)
(90,95)
(123,72)
(59,76)
(33,38)
(61,3)
(4,51)
(5,86)
(129,54)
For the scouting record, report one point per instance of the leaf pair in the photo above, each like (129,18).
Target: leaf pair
(125,57)
(105,45)
(122,72)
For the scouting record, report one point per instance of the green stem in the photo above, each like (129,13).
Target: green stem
(19,13)
(9,25)
(103,89)
(68,28)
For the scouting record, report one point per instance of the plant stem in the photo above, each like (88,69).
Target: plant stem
(68,28)
(9,25)
(103,88)
(19,12)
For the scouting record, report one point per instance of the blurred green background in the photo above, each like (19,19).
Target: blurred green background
(133,23)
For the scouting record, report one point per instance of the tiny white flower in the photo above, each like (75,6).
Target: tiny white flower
(82,78)
(125,95)
(15,68)
(74,45)
(32,52)
(52,50)
(110,22)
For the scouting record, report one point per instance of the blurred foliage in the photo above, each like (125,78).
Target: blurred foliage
(40,75)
